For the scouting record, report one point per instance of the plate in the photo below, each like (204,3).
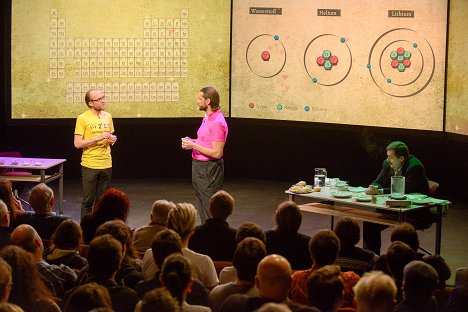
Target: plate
(341,194)
(301,189)
(356,189)
(397,197)
(422,201)
(416,196)
(364,198)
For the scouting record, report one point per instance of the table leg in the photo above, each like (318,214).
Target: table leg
(438,230)
(332,222)
(61,189)
(291,197)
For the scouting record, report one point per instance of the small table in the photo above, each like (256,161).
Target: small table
(325,203)
(41,164)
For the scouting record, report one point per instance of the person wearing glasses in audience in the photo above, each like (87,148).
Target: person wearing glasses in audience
(94,135)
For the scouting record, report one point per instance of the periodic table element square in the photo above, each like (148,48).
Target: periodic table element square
(85,43)
(154,23)
(176,71)
(162,23)
(108,43)
(93,86)
(52,73)
(77,43)
(155,33)
(93,62)
(77,73)
(162,53)
(169,23)
(115,42)
(138,62)
(100,52)
(146,53)
(138,72)
(93,52)
(176,62)
(167,96)
(61,53)
(77,87)
(184,43)
(145,86)
(176,22)
(61,23)
(183,53)
(154,53)
(77,63)
(61,33)
(131,72)
(93,43)
(85,72)
(115,62)
(184,23)
(115,72)
(108,52)
(146,43)
(153,86)
(131,42)
(77,53)
(70,53)
(184,13)
(138,43)
(170,33)
(115,52)
(93,72)
(70,43)
(53,43)
(138,87)
(175,86)
(169,43)
(162,62)
(76,97)
(147,62)
(53,63)
(115,97)
(123,72)
(138,52)
(154,72)
(169,52)
(100,86)
(183,72)
(146,72)
(108,72)
(85,52)
(146,33)
(69,87)
(61,63)
(176,43)
(53,33)
(154,62)
(130,87)
(131,52)
(147,23)
(145,96)
(115,87)
(153,97)
(130,62)
(108,62)
(160,96)
(53,13)
(69,97)
(61,43)
(100,73)
(52,53)
(184,33)
(176,33)
(162,33)
(101,42)
(154,43)
(168,62)
(169,72)
(108,87)
(168,86)
(123,97)
(123,52)
(53,23)
(162,71)
(123,42)
(85,86)
(85,62)
(138,97)
(176,53)
(175,97)
(130,97)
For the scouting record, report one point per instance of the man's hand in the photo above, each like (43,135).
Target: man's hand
(372,190)
(187,143)
(112,139)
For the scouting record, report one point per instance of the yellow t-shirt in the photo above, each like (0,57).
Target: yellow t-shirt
(88,125)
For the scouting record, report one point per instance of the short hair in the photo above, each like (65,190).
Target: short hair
(68,235)
(274,307)
(348,231)
(441,267)
(182,219)
(288,217)
(250,229)
(406,233)
(375,291)
(160,210)
(324,247)
(247,256)
(121,232)
(40,197)
(221,205)
(25,237)
(399,148)
(420,280)
(165,243)
(113,204)
(325,287)
(5,277)
(176,273)
(104,256)
(87,297)
(160,298)
(398,255)
(212,94)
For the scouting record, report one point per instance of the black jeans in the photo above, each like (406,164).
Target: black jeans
(95,182)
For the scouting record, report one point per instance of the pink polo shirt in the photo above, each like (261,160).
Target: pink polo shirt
(213,129)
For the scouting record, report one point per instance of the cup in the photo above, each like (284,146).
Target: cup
(397,186)
(320,176)
(332,183)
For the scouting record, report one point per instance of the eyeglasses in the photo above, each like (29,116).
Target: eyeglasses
(103,98)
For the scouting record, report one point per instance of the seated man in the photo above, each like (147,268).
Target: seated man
(398,162)
(43,220)
(326,289)
(375,291)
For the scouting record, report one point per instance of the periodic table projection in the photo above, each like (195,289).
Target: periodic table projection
(376,63)
(145,57)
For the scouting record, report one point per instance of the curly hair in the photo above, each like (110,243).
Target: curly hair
(113,204)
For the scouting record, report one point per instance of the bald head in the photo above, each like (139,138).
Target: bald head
(273,277)
(41,198)
(26,237)
(160,211)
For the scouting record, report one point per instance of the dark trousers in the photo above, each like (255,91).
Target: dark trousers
(207,179)
(372,239)
(95,182)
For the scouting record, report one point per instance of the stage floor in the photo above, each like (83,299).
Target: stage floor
(256,201)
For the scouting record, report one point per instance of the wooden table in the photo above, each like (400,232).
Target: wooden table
(35,164)
(325,203)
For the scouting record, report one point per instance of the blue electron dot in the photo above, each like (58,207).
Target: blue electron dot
(368,65)
(314,80)
(389,80)
(342,40)
(307,108)
(276,37)
(415,45)
(279,107)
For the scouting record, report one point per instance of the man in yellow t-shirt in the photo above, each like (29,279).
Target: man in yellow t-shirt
(94,134)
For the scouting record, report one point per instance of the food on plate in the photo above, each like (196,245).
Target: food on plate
(301,183)
(300,189)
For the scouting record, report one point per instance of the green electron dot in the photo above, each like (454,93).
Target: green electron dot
(394,55)
(327,65)
(326,54)
(279,107)
(400,58)
(407,55)
(401,67)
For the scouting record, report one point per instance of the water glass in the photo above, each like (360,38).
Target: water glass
(397,186)
(320,176)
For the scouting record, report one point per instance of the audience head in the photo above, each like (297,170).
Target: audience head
(250,229)
(121,232)
(4,214)
(160,298)
(441,267)
(221,205)
(27,288)
(176,276)
(5,280)
(288,217)
(399,254)
(324,247)
(113,204)
(274,307)
(104,257)
(27,238)
(375,292)
(325,288)
(6,194)
(419,281)
(348,231)
(165,243)
(10,307)
(247,256)
(273,278)
(160,210)
(182,219)
(406,233)
(87,297)
(41,198)
(68,235)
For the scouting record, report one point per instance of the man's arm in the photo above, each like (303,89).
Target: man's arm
(416,180)
(216,151)
(83,143)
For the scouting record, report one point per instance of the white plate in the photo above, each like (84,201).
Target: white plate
(356,189)
(416,196)
(422,201)
(341,194)
(364,198)
(397,197)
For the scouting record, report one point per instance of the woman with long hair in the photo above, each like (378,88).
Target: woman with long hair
(28,290)
(14,205)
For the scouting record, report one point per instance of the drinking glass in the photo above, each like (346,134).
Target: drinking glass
(397,186)
(320,176)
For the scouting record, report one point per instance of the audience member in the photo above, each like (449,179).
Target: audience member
(215,238)
(458,300)
(165,243)
(105,254)
(247,229)
(143,237)
(58,278)
(43,219)
(324,248)
(375,292)
(14,205)
(113,204)
(182,219)
(160,298)
(248,254)
(273,280)
(441,267)
(5,231)
(351,257)
(28,290)
(274,307)
(419,282)
(65,247)
(399,254)
(325,288)
(88,297)
(285,240)
(6,280)
(10,307)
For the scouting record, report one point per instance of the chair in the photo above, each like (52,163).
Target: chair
(219,265)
